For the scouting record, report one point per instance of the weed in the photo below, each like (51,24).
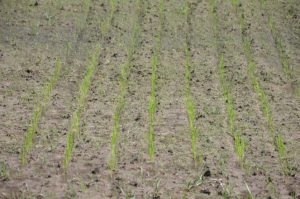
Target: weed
(249,195)
(194,183)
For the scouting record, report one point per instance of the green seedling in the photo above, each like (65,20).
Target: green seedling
(189,103)
(83,93)
(123,80)
(192,117)
(80,22)
(187,71)
(35,28)
(283,57)
(240,146)
(185,10)
(105,26)
(4,174)
(161,11)
(280,147)
(278,42)
(152,99)
(239,143)
(264,102)
(113,6)
(152,108)
(39,107)
(235,4)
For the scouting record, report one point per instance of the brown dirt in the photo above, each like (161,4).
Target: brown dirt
(33,35)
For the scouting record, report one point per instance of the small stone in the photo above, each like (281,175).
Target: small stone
(207,173)
(96,170)
(205,191)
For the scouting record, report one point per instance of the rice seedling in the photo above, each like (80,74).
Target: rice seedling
(235,2)
(86,5)
(39,107)
(152,99)
(80,22)
(187,71)
(264,102)
(240,146)
(235,5)
(82,95)
(278,42)
(239,142)
(113,6)
(283,57)
(161,12)
(4,173)
(117,114)
(193,131)
(116,118)
(189,103)
(105,26)
(152,107)
(123,80)
(35,28)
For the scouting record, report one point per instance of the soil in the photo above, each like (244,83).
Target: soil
(33,34)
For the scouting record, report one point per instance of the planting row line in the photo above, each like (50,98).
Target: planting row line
(239,142)
(276,136)
(83,93)
(85,85)
(277,40)
(189,102)
(39,108)
(152,99)
(123,80)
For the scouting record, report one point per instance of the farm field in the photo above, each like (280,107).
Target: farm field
(150,99)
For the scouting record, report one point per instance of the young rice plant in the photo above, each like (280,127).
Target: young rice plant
(38,110)
(83,93)
(276,136)
(123,80)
